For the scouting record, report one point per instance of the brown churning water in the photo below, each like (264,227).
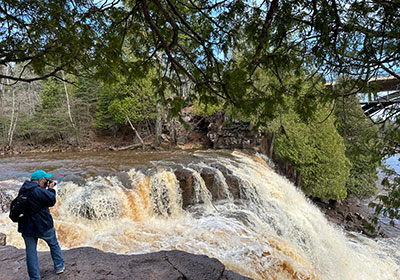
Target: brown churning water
(227,205)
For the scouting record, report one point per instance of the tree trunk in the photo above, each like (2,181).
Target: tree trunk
(68,103)
(12,130)
(7,139)
(173,134)
(32,99)
(271,147)
(2,100)
(134,129)
(157,138)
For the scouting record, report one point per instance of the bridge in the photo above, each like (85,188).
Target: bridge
(390,84)
(371,107)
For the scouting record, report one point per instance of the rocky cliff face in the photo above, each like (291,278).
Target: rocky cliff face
(88,263)
(229,134)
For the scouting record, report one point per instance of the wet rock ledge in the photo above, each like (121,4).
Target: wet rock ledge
(86,263)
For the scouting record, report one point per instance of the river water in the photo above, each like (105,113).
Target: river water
(394,163)
(384,222)
(227,205)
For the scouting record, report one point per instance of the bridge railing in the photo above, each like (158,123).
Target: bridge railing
(378,75)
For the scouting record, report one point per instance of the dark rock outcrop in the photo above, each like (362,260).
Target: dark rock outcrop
(232,181)
(6,196)
(282,166)
(349,214)
(87,263)
(185,178)
(224,133)
(3,239)
(215,186)
(186,181)
(208,176)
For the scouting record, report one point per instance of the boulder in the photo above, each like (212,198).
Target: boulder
(232,181)
(349,214)
(3,239)
(185,178)
(213,185)
(6,196)
(86,263)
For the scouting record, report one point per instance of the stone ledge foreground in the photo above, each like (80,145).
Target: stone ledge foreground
(86,263)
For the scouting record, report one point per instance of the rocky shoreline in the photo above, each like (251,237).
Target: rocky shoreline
(351,214)
(86,263)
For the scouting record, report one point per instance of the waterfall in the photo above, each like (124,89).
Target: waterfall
(231,206)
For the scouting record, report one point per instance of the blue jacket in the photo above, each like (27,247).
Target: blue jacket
(40,200)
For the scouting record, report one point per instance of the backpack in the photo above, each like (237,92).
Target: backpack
(20,206)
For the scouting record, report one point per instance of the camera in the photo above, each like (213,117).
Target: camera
(49,182)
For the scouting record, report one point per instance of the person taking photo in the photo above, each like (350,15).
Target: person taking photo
(39,223)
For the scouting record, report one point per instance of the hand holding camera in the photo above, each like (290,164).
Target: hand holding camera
(49,184)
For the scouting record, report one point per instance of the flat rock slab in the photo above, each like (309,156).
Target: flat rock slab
(86,263)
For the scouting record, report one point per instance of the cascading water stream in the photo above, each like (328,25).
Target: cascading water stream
(233,207)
